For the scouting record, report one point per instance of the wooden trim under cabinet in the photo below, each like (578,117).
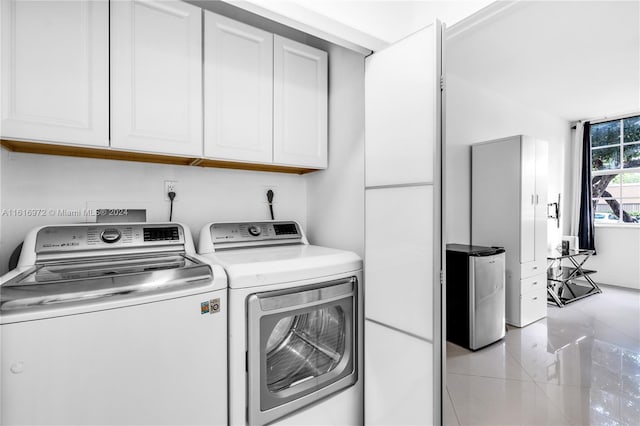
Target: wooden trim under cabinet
(114,154)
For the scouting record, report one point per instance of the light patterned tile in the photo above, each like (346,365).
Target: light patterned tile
(492,361)
(490,401)
(450,417)
(584,360)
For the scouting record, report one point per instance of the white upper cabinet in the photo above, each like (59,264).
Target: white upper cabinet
(300,104)
(156,76)
(238,90)
(55,71)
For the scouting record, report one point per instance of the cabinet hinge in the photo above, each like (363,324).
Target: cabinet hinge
(441,278)
(442,85)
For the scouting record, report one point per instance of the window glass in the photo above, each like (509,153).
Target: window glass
(604,213)
(605,158)
(605,133)
(615,164)
(631,178)
(304,346)
(605,186)
(631,129)
(631,156)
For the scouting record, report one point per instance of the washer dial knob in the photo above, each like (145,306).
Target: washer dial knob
(110,235)
(255,230)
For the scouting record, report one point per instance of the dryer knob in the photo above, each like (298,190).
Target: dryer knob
(255,230)
(110,235)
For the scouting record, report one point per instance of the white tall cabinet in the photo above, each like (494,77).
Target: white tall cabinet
(156,76)
(55,71)
(403,231)
(509,209)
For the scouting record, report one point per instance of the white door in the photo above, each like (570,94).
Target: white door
(238,90)
(55,71)
(403,232)
(156,76)
(299,104)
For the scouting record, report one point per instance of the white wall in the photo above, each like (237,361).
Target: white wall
(31,181)
(617,259)
(475,114)
(335,208)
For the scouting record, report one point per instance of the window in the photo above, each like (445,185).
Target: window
(615,170)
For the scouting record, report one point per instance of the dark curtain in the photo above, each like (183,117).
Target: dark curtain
(586,235)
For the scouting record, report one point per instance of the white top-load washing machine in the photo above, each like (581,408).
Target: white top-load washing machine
(295,325)
(113,324)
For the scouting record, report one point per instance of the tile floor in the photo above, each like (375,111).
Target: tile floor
(578,366)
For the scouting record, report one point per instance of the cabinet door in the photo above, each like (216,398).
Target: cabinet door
(156,76)
(238,90)
(300,104)
(55,71)
(527,199)
(542,167)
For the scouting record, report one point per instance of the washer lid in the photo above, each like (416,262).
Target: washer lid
(252,267)
(64,284)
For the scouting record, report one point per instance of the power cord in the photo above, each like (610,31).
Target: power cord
(172,196)
(270,200)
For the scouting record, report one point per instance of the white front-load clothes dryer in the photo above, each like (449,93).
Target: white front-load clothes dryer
(113,324)
(295,325)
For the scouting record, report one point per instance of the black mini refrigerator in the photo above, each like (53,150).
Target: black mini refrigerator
(475,295)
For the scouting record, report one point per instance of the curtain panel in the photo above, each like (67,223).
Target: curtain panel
(586,234)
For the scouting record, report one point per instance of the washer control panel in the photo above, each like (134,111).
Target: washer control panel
(244,232)
(106,236)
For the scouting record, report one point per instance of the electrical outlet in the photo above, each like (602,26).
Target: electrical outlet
(170,186)
(266,188)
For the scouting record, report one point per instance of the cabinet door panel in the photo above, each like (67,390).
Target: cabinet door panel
(399,114)
(55,71)
(528,199)
(533,306)
(400,256)
(532,268)
(540,239)
(398,389)
(533,283)
(156,76)
(300,104)
(238,84)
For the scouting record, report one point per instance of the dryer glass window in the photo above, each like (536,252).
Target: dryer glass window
(300,343)
(304,346)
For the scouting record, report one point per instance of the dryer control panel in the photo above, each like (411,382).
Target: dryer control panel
(249,232)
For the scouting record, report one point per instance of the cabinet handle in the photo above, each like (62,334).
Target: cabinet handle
(532,198)
(535,298)
(535,283)
(537,199)
(535,267)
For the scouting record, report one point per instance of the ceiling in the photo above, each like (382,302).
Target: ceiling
(573,59)
(361,25)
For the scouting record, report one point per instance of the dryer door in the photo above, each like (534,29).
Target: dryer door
(301,347)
